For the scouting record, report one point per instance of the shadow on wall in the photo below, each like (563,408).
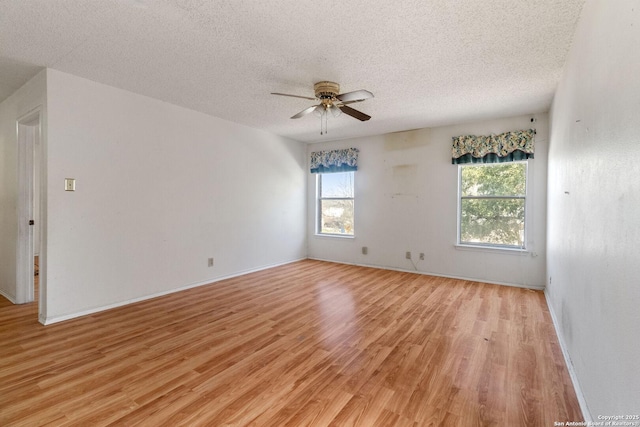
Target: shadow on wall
(407,139)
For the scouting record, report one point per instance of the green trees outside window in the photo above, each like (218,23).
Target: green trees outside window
(492,204)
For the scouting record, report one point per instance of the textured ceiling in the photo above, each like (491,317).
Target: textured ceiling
(428,62)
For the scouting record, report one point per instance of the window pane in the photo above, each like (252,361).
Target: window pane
(494,180)
(492,221)
(337,184)
(336,217)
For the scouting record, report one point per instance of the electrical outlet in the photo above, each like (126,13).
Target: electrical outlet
(69,184)
(210,262)
(407,255)
(365,250)
(421,256)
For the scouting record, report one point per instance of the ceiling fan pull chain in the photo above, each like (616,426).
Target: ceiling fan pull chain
(326,125)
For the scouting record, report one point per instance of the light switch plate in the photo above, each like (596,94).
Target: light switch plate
(69,184)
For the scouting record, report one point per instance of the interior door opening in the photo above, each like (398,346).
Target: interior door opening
(29,272)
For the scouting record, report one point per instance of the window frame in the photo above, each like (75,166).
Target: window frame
(319,200)
(460,197)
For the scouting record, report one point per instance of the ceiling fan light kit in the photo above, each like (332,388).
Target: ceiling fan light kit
(328,93)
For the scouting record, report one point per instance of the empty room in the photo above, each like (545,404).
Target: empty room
(297,213)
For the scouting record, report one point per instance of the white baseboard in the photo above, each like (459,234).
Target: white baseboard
(567,361)
(7,296)
(56,319)
(428,273)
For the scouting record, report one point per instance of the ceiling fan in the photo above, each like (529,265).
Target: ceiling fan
(332,102)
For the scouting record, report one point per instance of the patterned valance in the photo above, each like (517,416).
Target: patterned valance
(334,161)
(506,147)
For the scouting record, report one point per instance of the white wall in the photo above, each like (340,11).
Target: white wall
(406,200)
(159,189)
(594,207)
(24,100)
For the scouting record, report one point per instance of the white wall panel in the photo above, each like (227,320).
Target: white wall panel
(159,190)
(594,207)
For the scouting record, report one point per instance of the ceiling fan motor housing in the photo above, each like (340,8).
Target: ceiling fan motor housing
(326,90)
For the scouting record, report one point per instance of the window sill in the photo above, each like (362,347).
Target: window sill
(494,249)
(335,236)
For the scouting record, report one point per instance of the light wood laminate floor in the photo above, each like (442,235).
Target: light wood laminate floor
(308,343)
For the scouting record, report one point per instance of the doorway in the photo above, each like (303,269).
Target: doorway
(29,256)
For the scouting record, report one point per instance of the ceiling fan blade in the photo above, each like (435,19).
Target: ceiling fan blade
(358,95)
(305,112)
(354,113)
(293,96)
(351,102)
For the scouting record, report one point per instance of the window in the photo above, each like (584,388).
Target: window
(492,201)
(335,203)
